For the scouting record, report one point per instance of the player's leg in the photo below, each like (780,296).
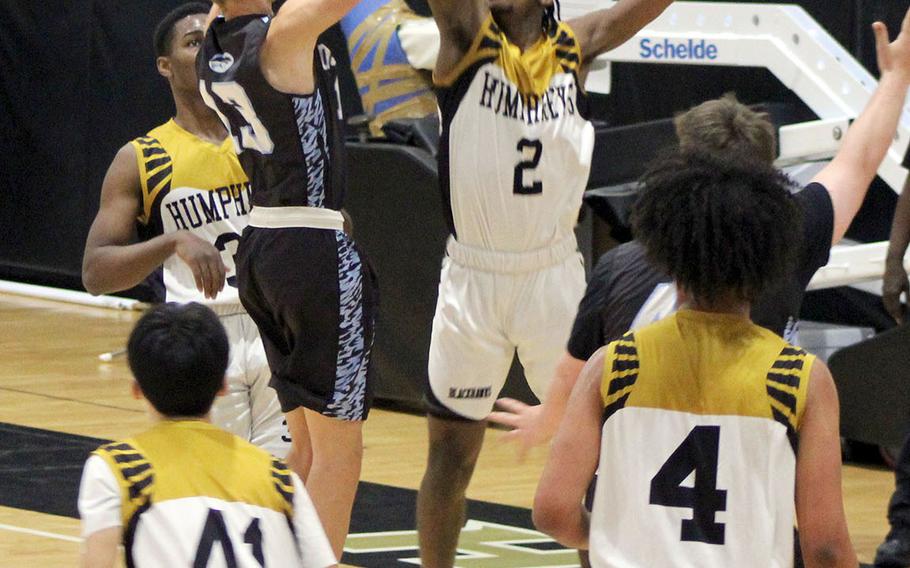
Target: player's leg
(454,447)
(469,360)
(335,472)
(268,428)
(231,411)
(300,454)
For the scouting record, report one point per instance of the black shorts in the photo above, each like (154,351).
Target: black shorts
(313,296)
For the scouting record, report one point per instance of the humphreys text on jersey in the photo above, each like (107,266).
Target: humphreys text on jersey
(506,100)
(197,208)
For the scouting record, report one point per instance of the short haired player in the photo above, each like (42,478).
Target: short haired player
(185,492)
(178,197)
(706,430)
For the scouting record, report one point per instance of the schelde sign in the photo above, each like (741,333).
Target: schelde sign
(683,50)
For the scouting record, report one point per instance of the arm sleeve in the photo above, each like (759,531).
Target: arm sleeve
(587,331)
(99,498)
(311,539)
(818,227)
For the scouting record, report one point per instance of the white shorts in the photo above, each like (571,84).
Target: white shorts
(491,304)
(250,408)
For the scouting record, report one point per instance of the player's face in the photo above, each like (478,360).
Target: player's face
(181,63)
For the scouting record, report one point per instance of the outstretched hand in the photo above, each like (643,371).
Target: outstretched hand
(893,57)
(527,423)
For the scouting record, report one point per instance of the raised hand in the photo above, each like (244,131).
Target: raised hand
(893,57)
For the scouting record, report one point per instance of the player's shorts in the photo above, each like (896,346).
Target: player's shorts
(313,296)
(250,408)
(491,304)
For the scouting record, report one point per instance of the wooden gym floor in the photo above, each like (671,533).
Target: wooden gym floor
(51,378)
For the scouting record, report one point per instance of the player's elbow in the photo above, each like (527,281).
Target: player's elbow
(830,554)
(552,516)
(93,277)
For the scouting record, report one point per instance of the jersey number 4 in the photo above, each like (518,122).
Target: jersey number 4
(698,453)
(215,533)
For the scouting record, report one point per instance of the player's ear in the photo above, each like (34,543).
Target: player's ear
(136,391)
(224,387)
(164,67)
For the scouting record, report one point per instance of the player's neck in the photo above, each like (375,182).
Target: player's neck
(196,118)
(522,32)
(724,305)
(245,8)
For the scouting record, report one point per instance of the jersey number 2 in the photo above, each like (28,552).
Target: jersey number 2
(215,532)
(518,183)
(698,453)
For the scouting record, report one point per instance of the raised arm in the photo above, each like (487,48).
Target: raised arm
(114,261)
(819,501)
(849,175)
(286,58)
(458,22)
(558,509)
(603,30)
(895,275)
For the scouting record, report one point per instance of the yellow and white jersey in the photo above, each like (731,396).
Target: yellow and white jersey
(189,494)
(697,465)
(192,185)
(515,150)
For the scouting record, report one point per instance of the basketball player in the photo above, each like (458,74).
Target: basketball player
(185,492)
(184,185)
(304,281)
(514,160)
(624,285)
(704,423)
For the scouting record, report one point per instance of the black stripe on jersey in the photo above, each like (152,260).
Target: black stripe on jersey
(127,458)
(789,380)
(792,352)
(129,534)
(791,432)
(567,55)
(620,383)
(130,472)
(153,164)
(615,406)
(152,151)
(117,447)
(155,179)
(784,398)
(789,365)
(489,43)
(564,39)
(622,349)
(282,477)
(136,487)
(146,140)
(620,365)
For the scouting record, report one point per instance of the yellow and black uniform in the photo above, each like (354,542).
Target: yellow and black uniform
(514,158)
(698,464)
(190,184)
(187,493)
(193,185)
